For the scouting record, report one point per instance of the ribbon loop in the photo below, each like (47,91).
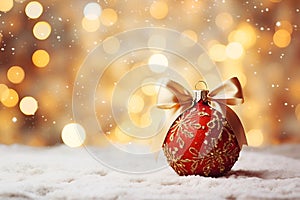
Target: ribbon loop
(174,95)
(229,93)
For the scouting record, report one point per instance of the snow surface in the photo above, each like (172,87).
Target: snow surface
(64,173)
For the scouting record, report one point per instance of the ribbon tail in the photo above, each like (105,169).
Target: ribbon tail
(236,126)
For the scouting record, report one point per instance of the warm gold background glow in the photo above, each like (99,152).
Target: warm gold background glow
(43,43)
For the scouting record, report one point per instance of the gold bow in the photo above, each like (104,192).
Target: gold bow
(173,95)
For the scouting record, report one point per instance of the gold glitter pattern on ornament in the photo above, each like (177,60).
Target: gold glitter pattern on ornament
(218,151)
(214,121)
(217,157)
(185,124)
(175,161)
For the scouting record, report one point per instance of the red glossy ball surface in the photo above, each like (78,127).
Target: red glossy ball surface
(201,142)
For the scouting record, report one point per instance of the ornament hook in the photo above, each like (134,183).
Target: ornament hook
(198,87)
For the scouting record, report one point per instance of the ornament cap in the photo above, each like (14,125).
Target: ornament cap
(200,95)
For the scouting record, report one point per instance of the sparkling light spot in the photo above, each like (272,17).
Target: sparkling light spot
(188,38)
(135,104)
(92,11)
(157,41)
(158,63)
(159,9)
(42,30)
(224,20)
(255,137)
(73,135)
(282,38)
(14,119)
(15,74)
(40,58)
(6,5)
(4,91)
(90,25)
(111,45)
(34,9)
(217,52)
(108,17)
(28,105)
(11,99)
(234,50)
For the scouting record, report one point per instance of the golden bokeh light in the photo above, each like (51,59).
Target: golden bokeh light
(245,35)
(108,17)
(92,11)
(42,30)
(159,9)
(111,45)
(145,120)
(136,104)
(217,52)
(90,25)
(234,50)
(158,63)
(40,58)
(6,5)
(224,20)
(28,105)
(11,99)
(150,89)
(119,136)
(255,138)
(284,24)
(15,74)
(34,9)
(73,135)
(4,91)
(188,38)
(282,38)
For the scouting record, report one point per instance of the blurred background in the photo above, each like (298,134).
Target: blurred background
(44,43)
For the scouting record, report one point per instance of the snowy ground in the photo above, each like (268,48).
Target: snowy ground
(64,173)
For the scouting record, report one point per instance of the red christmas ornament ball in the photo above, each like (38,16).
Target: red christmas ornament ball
(201,142)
